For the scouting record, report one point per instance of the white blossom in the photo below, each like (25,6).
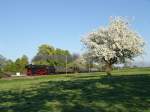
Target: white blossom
(117,41)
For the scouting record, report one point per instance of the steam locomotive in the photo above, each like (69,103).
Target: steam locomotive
(34,70)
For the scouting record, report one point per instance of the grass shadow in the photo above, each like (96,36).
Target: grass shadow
(128,93)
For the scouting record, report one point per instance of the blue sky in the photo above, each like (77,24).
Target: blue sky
(26,24)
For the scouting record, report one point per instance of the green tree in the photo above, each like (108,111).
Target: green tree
(10,67)
(48,55)
(21,63)
(45,49)
(17,66)
(62,52)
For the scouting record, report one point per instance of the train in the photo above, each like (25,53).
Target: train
(32,70)
(35,70)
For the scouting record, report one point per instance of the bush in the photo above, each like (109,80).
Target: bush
(4,75)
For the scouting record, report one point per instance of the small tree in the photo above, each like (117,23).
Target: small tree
(114,44)
(19,64)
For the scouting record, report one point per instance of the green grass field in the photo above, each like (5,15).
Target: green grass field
(127,90)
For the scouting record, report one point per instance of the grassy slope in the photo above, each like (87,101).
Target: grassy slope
(127,90)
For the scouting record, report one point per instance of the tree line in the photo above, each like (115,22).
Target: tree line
(46,55)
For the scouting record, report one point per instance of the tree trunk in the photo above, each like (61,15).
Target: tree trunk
(108,69)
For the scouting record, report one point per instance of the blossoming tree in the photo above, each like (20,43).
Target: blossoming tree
(114,44)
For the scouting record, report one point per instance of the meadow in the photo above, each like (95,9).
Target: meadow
(127,90)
